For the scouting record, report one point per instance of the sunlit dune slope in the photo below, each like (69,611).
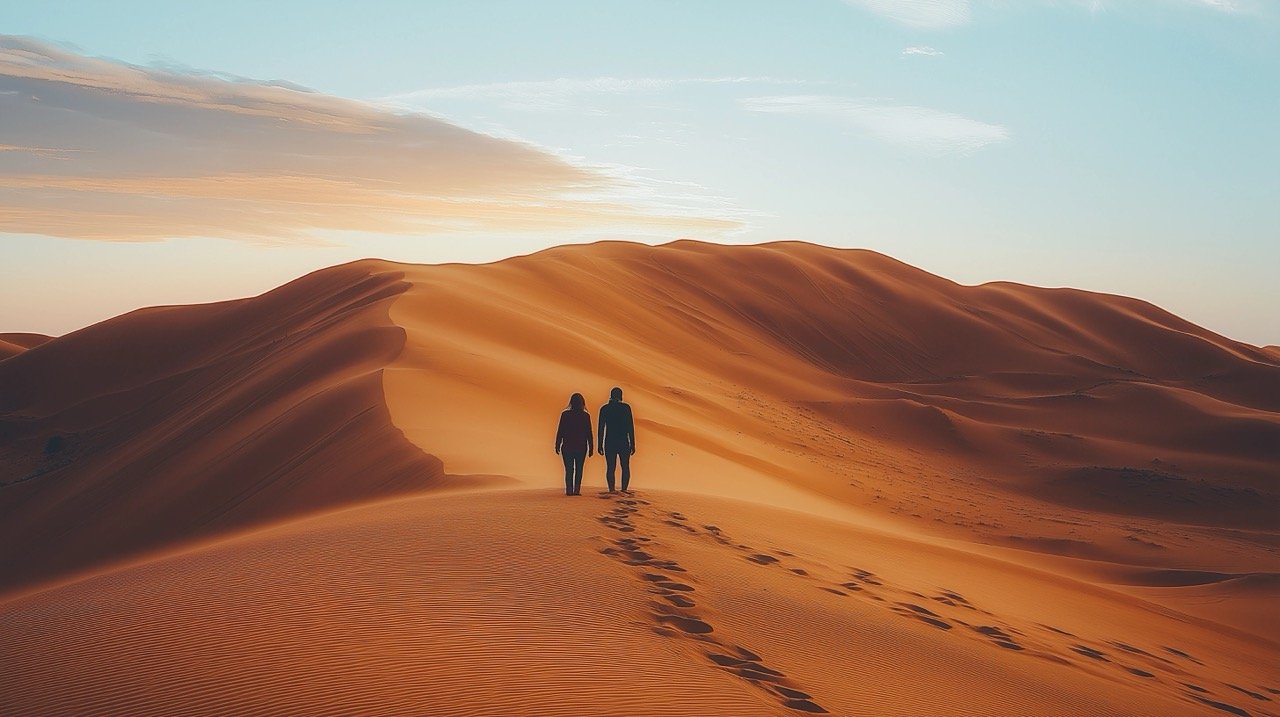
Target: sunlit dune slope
(834,370)
(1049,422)
(173,422)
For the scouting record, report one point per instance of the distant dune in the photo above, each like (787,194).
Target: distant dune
(864,489)
(12,344)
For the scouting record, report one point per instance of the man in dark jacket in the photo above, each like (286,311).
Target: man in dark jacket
(616,432)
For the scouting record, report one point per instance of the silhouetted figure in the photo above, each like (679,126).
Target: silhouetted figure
(573,442)
(617,432)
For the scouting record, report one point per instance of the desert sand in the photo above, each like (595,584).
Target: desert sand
(861,489)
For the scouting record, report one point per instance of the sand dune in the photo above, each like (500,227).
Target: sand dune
(864,489)
(12,344)
(172,423)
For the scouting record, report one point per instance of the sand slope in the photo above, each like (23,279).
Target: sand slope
(523,602)
(175,422)
(864,489)
(12,344)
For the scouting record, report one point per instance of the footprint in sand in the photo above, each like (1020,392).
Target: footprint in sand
(954,599)
(1197,688)
(923,614)
(999,637)
(1221,706)
(1255,695)
(866,576)
(691,625)
(762,559)
(1135,650)
(680,621)
(1090,652)
(1180,653)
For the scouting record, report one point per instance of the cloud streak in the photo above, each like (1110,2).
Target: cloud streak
(921,129)
(95,149)
(564,93)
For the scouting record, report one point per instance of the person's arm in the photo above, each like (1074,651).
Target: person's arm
(560,433)
(590,438)
(631,430)
(600,431)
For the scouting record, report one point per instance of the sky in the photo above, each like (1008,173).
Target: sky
(163,153)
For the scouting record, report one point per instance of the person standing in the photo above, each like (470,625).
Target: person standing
(573,442)
(617,434)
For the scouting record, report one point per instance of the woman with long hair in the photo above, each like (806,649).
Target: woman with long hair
(573,442)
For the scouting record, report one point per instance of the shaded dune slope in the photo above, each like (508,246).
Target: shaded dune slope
(171,423)
(12,344)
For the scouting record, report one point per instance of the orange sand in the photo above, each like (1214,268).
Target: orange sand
(862,489)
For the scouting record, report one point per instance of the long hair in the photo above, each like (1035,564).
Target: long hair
(577,402)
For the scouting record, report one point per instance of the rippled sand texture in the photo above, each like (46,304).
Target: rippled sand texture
(862,489)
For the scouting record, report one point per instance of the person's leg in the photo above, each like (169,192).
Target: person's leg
(568,472)
(611,463)
(579,463)
(625,455)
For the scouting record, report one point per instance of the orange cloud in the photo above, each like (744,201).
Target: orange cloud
(94,149)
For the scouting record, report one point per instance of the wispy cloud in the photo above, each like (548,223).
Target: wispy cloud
(921,50)
(96,149)
(566,92)
(920,14)
(919,128)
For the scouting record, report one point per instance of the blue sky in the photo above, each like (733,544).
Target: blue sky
(1128,146)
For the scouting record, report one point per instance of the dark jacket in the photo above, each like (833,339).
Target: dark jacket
(574,434)
(617,429)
